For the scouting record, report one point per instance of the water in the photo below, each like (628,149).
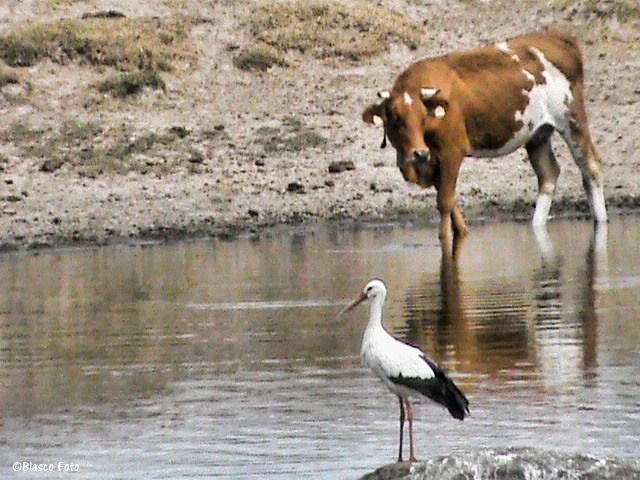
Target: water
(216,359)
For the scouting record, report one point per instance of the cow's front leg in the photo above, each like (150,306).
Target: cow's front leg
(449,216)
(459,224)
(452,222)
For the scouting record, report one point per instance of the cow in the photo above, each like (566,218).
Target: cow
(488,102)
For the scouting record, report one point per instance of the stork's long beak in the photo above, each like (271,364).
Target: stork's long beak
(357,301)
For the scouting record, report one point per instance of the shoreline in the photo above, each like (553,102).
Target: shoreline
(479,214)
(223,150)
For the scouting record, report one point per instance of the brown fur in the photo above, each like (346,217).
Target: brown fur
(481,90)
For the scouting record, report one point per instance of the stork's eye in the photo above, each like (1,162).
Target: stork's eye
(369,289)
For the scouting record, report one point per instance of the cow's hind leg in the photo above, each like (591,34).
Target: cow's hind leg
(584,153)
(547,170)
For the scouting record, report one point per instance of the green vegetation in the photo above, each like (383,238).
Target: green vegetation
(621,10)
(7,76)
(259,59)
(126,44)
(130,83)
(293,136)
(326,29)
(91,149)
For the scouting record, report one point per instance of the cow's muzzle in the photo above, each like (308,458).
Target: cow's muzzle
(421,167)
(421,156)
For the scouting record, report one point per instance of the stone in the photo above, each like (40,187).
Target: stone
(340,166)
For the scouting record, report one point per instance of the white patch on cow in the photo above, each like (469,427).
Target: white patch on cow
(377,120)
(427,92)
(439,112)
(518,116)
(384,94)
(597,203)
(503,47)
(407,98)
(547,105)
(530,77)
(543,206)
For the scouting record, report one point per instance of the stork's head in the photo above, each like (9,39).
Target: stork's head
(374,289)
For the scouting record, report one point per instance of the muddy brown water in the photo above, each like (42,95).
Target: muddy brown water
(215,359)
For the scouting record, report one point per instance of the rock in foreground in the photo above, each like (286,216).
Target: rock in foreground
(511,464)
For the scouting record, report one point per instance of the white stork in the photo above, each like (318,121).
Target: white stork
(404,369)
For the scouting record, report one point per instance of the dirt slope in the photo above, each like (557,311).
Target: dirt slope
(240,127)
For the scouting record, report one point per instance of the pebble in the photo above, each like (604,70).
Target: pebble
(340,166)
(295,187)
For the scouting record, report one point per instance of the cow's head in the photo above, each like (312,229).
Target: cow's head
(408,118)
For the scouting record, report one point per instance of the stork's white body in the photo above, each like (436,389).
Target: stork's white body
(404,369)
(390,358)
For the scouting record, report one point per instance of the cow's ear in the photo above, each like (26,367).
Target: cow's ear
(373,114)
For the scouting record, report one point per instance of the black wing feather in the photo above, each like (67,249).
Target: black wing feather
(440,389)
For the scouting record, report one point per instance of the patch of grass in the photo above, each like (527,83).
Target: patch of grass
(303,140)
(292,136)
(261,59)
(325,29)
(19,132)
(131,83)
(124,43)
(622,10)
(90,149)
(75,132)
(7,76)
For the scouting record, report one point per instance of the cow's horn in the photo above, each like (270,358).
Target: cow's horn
(384,94)
(428,92)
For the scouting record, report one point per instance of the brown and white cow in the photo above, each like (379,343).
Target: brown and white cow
(488,102)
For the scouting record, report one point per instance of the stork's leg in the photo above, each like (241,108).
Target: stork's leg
(401,427)
(412,457)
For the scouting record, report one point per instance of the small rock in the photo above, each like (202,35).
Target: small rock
(340,166)
(259,163)
(329,183)
(103,14)
(51,165)
(179,131)
(196,157)
(295,187)
(12,198)
(253,213)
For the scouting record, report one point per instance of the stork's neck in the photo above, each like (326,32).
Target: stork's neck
(375,315)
